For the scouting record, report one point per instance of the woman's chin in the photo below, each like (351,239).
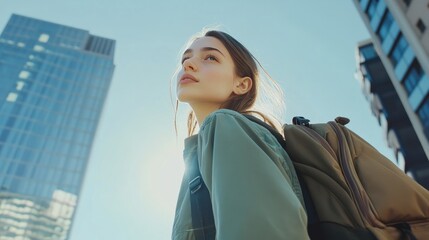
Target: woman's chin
(184,98)
(188,96)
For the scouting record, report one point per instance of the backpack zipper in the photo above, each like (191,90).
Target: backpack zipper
(320,139)
(361,201)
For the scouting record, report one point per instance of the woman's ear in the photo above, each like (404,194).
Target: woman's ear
(242,85)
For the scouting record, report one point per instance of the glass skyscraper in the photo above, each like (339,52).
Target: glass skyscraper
(400,45)
(53,84)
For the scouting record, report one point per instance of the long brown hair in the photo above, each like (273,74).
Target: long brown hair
(245,65)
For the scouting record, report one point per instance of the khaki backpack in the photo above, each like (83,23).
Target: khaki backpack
(351,190)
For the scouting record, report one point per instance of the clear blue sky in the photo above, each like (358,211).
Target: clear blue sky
(136,165)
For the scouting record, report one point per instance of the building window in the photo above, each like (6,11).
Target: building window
(424,116)
(11,97)
(407,2)
(368,52)
(43,38)
(413,76)
(372,6)
(19,85)
(398,49)
(38,48)
(386,22)
(24,74)
(421,26)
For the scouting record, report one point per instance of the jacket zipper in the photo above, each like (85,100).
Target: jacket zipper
(361,200)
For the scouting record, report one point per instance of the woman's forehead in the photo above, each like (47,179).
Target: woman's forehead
(204,42)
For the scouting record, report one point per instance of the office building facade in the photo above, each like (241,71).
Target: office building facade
(53,83)
(401,42)
(389,110)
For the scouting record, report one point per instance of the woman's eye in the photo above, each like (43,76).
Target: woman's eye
(211,58)
(184,59)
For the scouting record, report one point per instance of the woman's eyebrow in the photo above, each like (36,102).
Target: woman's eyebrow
(204,49)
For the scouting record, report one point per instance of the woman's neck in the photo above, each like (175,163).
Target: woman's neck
(203,110)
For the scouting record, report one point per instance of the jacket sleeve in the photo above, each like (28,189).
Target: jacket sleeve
(251,199)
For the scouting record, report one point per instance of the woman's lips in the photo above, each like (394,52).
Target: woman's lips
(187,78)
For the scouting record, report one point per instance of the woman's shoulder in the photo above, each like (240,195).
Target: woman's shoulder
(224,115)
(232,122)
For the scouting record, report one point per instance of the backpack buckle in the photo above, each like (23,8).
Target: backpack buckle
(300,121)
(195,184)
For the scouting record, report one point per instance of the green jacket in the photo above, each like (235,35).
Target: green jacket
(253,187)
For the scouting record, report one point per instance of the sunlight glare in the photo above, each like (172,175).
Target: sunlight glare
(162,178)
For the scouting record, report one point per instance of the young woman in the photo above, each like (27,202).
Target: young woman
(254,191)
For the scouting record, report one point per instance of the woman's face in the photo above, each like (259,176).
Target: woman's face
(207,74)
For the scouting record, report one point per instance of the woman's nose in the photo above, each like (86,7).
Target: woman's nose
(188,64)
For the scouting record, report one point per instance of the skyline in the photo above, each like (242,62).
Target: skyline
(135,166)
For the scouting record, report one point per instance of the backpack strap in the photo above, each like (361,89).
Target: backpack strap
(312,216)
(406,232)
(276,134)
(201,208)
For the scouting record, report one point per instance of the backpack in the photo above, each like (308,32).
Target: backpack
(351,191)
